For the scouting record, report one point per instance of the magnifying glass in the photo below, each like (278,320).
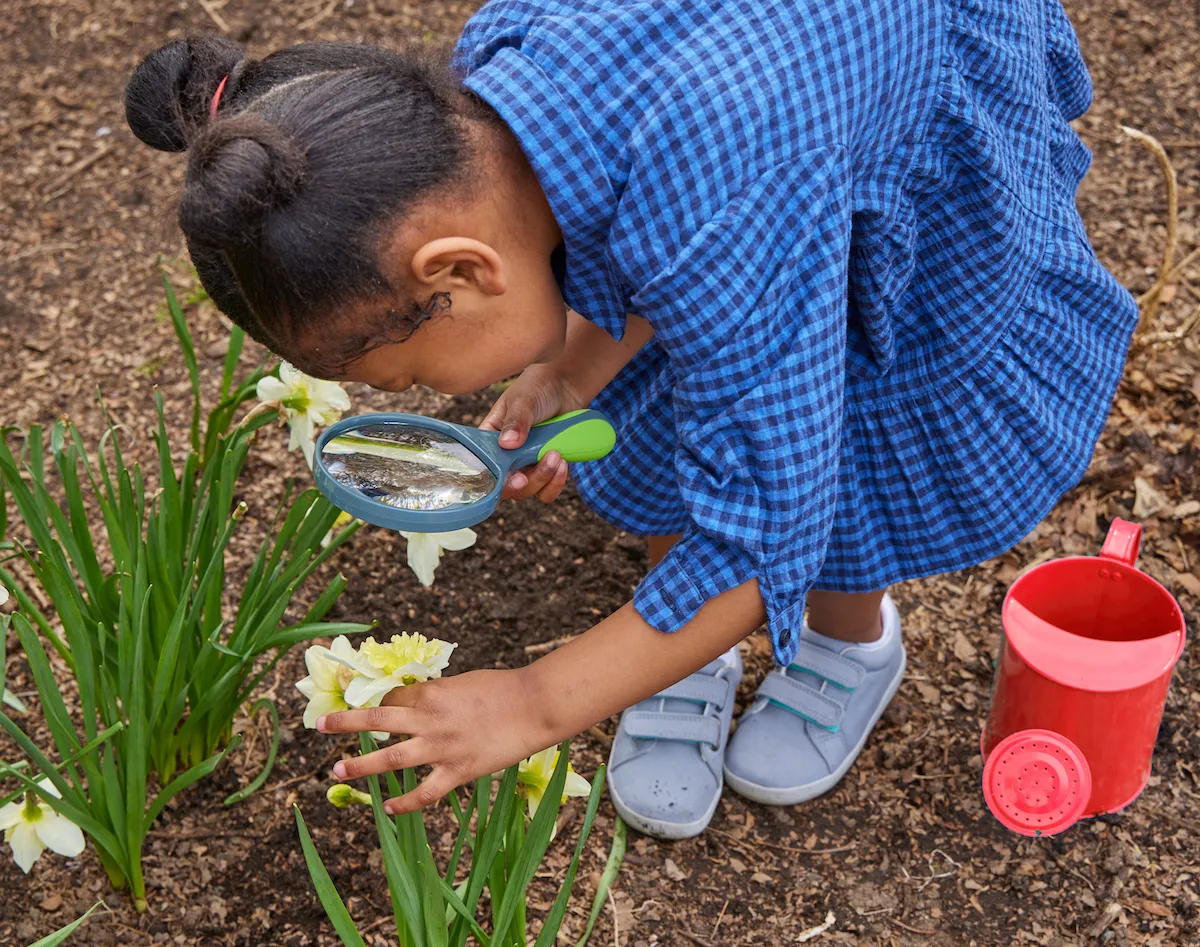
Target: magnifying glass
(422,475)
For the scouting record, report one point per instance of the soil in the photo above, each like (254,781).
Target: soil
(902,852)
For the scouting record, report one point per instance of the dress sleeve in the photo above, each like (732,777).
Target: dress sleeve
(753,316)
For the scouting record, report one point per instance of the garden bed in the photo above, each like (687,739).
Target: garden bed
(902,852)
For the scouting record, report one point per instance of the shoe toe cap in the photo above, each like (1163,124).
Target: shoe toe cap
(664,786)
(753,755)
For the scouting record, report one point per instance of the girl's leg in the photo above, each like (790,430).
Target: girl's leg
(665,769)
(659,545)
(846,616)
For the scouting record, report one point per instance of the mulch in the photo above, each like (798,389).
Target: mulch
(903,852)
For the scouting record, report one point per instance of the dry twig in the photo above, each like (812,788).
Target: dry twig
(61,184)
(912,930)
(214,15)
(323,15)
(1150,306)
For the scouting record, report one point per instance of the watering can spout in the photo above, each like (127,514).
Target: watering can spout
(1037,782)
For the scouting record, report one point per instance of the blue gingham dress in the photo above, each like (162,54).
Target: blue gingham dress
(883,347)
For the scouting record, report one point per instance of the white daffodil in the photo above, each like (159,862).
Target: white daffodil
(306,401)
(330,671)
(406,659)
(535,773)
(425,550)
(31,827)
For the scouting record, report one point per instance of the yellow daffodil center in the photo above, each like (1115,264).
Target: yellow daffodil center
(344,676)
(403,649)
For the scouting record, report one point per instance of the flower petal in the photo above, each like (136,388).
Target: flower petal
(322,667)
(10,815)
(576,785)
(271,389)
(423,556)
(363,690)
(26,846)
(322,703)
(291,376)
(457,539)
(59,834)
(48,787)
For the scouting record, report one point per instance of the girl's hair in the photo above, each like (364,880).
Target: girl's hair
(313,151)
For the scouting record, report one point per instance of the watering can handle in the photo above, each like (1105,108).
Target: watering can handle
(1123,541)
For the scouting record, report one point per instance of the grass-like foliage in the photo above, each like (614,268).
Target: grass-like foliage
(496,852)
(162,651)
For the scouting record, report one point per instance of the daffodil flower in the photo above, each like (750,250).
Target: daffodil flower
(306,401)
(425,550)
(330,672)
(406,659)
(534,774)
(343,796)
(31,827)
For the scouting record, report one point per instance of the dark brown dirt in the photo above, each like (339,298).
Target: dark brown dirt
(903,852)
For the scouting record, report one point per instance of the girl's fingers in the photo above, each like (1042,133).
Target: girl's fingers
(397,756)
(526,483)
(551,491)
(388,719)
(437,785)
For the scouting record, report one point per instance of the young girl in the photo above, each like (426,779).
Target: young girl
(823,267)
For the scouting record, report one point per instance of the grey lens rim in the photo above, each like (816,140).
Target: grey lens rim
(483,444)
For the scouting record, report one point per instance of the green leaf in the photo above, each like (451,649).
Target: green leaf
(185,779)
(331,901)
(60,935)
(401,867)
(189,355)
(255,784)
(537,840)
(456,905)
(616,855)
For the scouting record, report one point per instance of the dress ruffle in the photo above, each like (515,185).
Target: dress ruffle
(975,392)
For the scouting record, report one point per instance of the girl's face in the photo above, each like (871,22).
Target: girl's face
(480,255)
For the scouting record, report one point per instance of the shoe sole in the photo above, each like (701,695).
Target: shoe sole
(668,831)
(792,795)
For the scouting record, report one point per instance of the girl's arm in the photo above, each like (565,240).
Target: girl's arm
(590,359)
(483,721)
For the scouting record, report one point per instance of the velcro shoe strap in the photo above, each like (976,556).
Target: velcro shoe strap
(692,728)
(833,667)
(701,688)
(803,700)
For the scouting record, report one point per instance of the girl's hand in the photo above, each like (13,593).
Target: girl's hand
(538,393)
(463,726)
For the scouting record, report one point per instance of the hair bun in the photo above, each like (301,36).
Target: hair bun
(239,171)
(168,95)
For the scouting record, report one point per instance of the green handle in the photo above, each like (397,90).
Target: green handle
(577,436)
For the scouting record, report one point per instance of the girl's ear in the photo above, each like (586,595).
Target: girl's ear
(459,262)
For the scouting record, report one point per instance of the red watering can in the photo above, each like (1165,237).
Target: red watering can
(1081,683)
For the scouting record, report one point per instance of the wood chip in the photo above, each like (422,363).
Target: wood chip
(963,649)
(1147,501)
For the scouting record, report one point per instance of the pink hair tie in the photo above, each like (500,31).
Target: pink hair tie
(216,99)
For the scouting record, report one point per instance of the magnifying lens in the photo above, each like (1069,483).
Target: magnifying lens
(422,475)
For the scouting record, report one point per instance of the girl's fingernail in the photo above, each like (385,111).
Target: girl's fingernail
(518,482)
(387,807)
(321,724)
(553,459)
(339,770)
(508,437)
